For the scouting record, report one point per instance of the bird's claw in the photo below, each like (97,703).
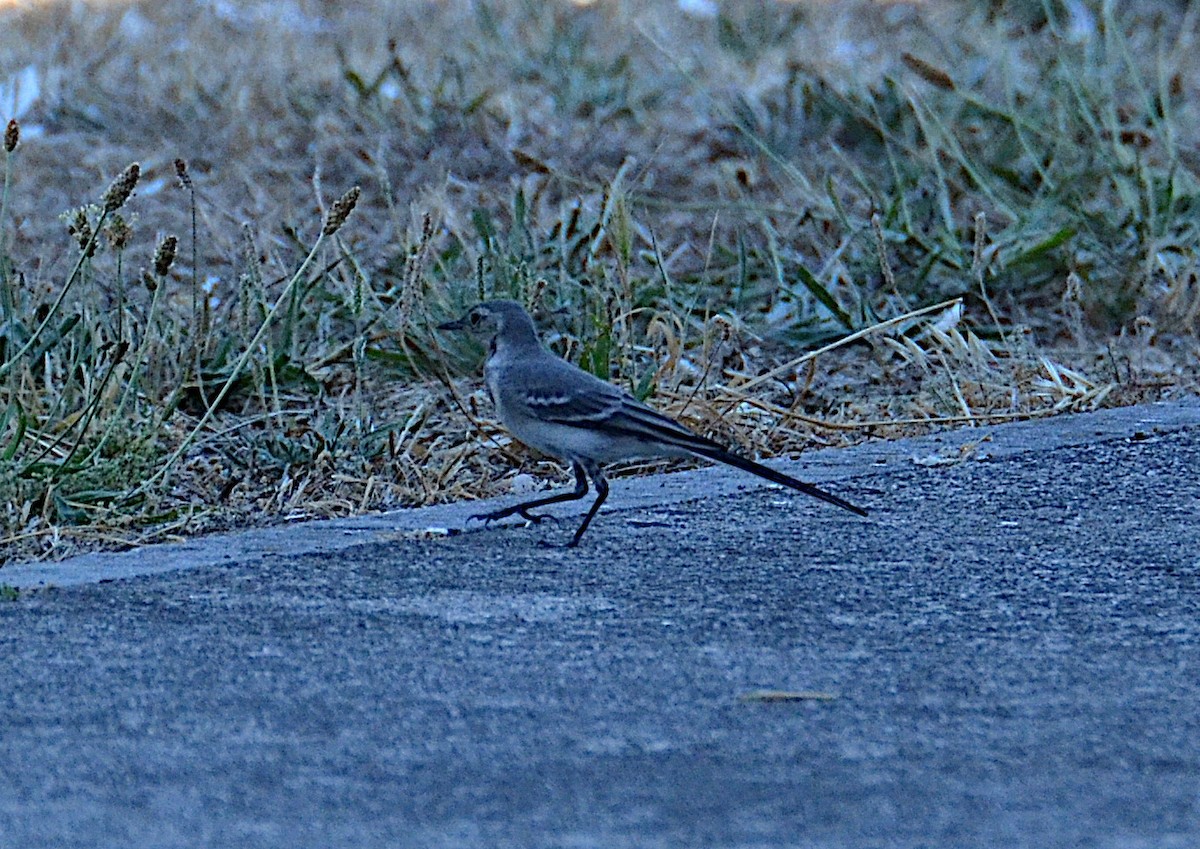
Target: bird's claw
(488,518)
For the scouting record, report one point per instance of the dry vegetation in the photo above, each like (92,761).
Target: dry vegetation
(790,223)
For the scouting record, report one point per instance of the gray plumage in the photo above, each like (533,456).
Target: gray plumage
(561,410)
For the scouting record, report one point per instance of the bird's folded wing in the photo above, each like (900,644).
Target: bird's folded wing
(616,413)
(635,419)
(577,407)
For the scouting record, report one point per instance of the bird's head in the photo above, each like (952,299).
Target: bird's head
(505,321)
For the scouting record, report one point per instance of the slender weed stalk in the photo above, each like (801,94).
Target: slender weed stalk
(114,198)
(334,219)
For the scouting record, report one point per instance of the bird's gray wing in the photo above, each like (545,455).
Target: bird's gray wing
(578,399)
(636,419)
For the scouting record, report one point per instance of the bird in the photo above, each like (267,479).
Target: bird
(565,412)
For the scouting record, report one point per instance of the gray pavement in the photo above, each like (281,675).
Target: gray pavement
(1007,653)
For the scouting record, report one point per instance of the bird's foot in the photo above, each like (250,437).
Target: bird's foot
(488,518)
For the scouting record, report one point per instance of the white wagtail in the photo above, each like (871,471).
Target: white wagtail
(561,410)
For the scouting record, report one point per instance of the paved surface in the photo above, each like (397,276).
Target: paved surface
(1008,654)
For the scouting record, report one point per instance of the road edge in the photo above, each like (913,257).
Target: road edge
(870,459)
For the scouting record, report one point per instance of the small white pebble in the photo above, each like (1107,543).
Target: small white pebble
(523,483)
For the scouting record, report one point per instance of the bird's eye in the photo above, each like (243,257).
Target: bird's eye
(475,317)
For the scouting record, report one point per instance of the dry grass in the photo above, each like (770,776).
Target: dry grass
(791,223)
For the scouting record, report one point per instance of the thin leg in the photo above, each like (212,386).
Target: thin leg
(581,488)
(601,493)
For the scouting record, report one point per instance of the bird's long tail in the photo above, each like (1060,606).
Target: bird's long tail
(723,456)
(640,422)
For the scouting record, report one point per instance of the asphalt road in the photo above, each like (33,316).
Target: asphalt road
(1006,654)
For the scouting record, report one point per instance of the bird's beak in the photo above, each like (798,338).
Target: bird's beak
(457,324)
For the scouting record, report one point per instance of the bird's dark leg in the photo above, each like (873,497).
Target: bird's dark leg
(581,489)
(601,493)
